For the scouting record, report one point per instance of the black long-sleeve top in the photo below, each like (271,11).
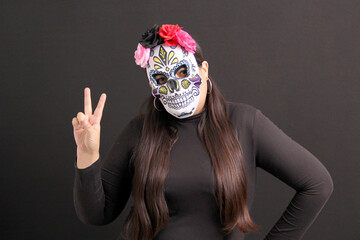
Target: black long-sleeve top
(101,190)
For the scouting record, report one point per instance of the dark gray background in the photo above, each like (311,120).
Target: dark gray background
(297,61)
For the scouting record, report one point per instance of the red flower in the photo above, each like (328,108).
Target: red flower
(168,33)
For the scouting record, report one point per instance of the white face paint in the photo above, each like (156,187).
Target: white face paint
(180,96)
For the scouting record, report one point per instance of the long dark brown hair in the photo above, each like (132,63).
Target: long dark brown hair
(150,160)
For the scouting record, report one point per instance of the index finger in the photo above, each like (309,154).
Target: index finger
(87,102)
(99,108)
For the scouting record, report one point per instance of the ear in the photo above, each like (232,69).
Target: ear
(204,68)
(150,84)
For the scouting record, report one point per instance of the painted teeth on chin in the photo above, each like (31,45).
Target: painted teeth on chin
(178,97)
(177,104)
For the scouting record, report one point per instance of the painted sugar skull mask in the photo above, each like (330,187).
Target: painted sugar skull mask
(180,93)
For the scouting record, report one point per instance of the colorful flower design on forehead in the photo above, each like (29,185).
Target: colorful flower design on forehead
(171,35)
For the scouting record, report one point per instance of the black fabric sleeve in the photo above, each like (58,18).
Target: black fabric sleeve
(102,190)
(284,158)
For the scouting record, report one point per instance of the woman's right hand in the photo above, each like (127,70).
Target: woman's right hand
(86,128)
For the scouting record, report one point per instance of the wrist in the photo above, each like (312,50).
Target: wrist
(85,159)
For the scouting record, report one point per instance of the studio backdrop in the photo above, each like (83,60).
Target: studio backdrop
(296,61)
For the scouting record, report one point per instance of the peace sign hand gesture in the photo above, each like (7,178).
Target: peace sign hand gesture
(87,131)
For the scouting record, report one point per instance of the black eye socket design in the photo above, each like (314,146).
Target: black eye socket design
(181,71)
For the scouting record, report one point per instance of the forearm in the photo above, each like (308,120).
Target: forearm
(89,197)
(301,211)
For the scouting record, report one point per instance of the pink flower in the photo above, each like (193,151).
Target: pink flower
(186,41)
(142,55)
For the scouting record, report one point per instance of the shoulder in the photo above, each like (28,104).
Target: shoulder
(241,106)
(242,112)
(131,131)
(242,115)
(136,123)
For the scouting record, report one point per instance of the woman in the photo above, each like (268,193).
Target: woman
(190,160)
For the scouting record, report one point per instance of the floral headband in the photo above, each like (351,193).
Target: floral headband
(171,35)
